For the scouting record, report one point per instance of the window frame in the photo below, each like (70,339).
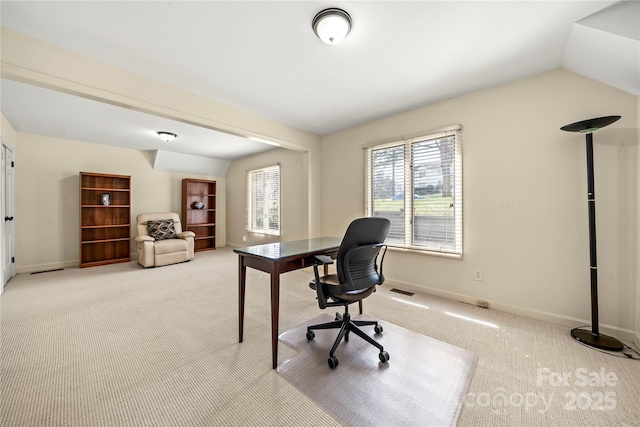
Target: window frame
(266,229)
(409,244)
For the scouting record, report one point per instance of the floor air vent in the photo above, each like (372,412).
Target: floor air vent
(46,271)
(400,291)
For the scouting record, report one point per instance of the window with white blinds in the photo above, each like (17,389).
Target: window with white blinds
(417,185)
(263,200)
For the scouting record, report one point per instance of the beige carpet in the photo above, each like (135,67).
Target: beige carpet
(423,384)
(122,346)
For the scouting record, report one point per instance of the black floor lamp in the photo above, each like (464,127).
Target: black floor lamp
(593,338)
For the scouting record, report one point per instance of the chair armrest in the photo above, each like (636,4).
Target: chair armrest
(141,239)
(186,234)
(317,261)
(322,259)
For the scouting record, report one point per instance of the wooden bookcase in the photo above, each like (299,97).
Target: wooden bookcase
(105,230)
(200,221)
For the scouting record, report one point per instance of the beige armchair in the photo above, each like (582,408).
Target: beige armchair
(161,241)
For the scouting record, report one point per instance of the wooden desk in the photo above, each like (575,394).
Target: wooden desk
(275,259)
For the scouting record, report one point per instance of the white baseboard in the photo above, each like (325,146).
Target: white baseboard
(570,322)
(34,268)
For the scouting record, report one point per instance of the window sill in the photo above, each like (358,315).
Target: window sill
(263,232)
(425,252)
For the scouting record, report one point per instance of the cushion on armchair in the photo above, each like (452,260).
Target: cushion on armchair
(161,240)
(162,230)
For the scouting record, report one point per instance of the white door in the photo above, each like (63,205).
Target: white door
(8,224)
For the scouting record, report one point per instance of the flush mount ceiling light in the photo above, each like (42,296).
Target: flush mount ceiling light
(167,136)
(331,25)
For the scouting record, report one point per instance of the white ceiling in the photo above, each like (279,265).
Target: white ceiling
(264,58)
(46,112)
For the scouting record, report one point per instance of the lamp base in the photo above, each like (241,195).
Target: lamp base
(600,341)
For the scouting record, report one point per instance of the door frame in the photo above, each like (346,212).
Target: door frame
(7,202)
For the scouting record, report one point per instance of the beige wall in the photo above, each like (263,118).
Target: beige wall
(7,132)
(292,197)
(525,209)
(47,195)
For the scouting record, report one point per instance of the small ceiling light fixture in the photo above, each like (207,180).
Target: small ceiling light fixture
(167,136)
(331,25)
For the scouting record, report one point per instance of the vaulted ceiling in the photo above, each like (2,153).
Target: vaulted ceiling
(263,57)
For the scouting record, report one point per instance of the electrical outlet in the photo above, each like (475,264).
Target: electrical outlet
(483,304)
(477,274)
(244,239)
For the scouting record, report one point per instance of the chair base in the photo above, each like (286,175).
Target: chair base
(346,326)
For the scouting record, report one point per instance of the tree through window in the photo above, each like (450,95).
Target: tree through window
(417,185)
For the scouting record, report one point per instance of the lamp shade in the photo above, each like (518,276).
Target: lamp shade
(591,125)
(332,25)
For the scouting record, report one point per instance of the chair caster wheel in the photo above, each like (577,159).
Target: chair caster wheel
(333,362)
(384,356)
(378,329)
(311,335)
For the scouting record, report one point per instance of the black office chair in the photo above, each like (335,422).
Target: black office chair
(358,275)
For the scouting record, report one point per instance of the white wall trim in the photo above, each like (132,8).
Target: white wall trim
(33,268)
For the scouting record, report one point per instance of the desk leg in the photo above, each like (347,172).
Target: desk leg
(275,312)
(242,279)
